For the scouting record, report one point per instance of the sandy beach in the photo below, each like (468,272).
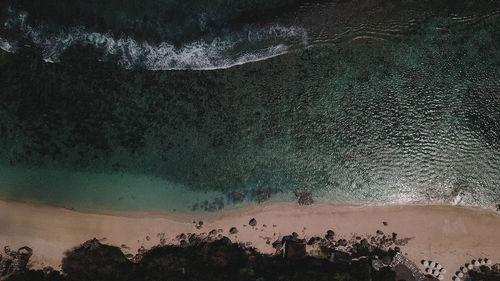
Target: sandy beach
(449,235)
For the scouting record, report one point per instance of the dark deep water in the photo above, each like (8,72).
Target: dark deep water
(183,105)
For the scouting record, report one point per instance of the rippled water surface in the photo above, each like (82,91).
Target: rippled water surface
(355,101)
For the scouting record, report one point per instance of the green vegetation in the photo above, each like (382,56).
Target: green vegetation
(218,260)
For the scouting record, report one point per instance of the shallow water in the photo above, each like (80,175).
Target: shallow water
(373,102)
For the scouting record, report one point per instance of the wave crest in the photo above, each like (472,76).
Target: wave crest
(249,44)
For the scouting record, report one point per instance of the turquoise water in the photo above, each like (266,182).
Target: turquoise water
(385,102)
(100,191)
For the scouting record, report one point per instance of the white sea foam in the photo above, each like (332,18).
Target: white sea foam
(236,48)
(7,45)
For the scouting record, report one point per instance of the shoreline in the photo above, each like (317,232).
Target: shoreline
(450,235)
(245,206)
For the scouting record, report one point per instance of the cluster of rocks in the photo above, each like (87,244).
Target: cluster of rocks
(252,223)
(198,225)
(138,257)
(91,244)
(380,240)
(209,206)
(304,198)
(163,238)
(338,250)
(13,262)
(186,239)
(344,251)
(261,194)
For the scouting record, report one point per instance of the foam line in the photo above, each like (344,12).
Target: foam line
(244,46)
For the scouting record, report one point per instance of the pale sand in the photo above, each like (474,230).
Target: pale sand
(449,235)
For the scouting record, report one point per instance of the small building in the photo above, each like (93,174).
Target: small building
(294,249)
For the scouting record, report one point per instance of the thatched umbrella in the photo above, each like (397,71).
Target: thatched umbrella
(460,274)
(438,266)
(440,277)
(436,273)
(464,269)
(488,261)
(470,266)
(443,270)
(428,270)
(456,279)
(476,263)
(433,264)
(482,261)
(425,263)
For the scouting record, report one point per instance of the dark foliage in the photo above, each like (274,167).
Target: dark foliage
(38,275)
(95,261)
(485,274)
(218,260)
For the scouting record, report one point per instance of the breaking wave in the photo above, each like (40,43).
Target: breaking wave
(7,46)
(249,44)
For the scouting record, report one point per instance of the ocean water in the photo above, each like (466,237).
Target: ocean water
(181,105)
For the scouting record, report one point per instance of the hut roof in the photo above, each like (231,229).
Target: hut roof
(295,249)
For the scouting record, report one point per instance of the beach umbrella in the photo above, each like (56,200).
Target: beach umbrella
(440,277)
(482,262)
(438,266)
(425,263)
(460,274)
(436,272)
(470,266)
(476,263)
(433,264)
(443,271)
(488,261)
(456,279)
(428,270)
(464,269)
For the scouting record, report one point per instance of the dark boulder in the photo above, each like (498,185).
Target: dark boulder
(394,236)
(330,235)
(252,222)
(342,242)
(277,245)
(364,243)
